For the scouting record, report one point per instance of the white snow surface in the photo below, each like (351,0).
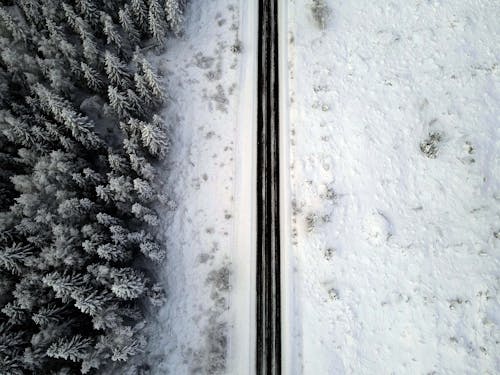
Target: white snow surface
(393,263)
(204,326)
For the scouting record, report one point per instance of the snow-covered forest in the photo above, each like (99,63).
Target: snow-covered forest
(80,138)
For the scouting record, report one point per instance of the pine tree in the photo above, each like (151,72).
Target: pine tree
(173,11)
(116,70)
(127,283)
(75,349)
(90,49)
(15,313)
(111,31)
(141,166)
(124,344)
(139,10)
(92,77)
(144,190)
(143,90)
(91,301)
(151,79)
(14,257)
(64,284)
(89,10)
(113,252)
(156,19)
(12,26)
(32,10)
(49,314)
(128,25)
(18,131)
(118,163)
(156,295)
(153,251)
(154,137)
(121,188)
(137,106)
(118,101)
(144,213)
(79,126)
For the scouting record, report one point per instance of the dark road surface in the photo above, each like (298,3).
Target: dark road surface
(268,356)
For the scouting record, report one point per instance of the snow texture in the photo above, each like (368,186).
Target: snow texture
(395,187)
(201,70)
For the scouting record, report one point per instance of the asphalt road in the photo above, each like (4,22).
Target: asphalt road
(268,339)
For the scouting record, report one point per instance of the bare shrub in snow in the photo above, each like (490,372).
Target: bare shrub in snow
(329,253)
(236,47)
(430,146)
(220,279)
(216,332)
(311,221)
(217,348)
(329,193)
(321,13)
(333,294)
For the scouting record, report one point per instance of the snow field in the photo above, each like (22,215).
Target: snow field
(394,171)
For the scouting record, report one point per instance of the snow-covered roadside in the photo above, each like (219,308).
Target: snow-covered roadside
(394,165)
(242,339)
(205,75)
(290,338)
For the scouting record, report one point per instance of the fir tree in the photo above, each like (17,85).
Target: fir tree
(156,19)
(127,23)
(127,283)
(91,77)
(14,257)
(173,11)
(75,349)
(116,70)
(151,79)
(118,101)
(111,31)
(154,137)
(139,10)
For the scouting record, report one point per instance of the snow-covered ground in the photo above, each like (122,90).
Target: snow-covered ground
(209,78)
(394,160)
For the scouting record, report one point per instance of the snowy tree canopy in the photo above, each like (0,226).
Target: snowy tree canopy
(79,137)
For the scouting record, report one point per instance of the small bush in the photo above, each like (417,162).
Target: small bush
(429,146)
(321,13)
